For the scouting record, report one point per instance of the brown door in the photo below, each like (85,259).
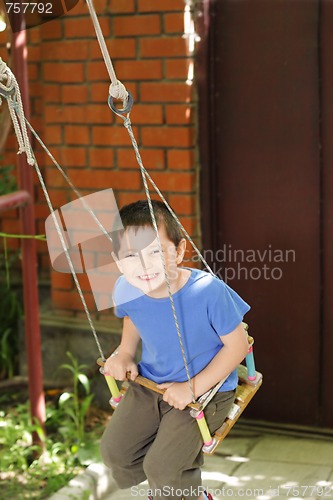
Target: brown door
(266,95)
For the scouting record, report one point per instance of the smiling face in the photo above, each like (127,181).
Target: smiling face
(140,260)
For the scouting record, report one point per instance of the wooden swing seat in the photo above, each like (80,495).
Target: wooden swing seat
(244,393)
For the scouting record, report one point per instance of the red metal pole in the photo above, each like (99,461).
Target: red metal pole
(14,200)
(29,254)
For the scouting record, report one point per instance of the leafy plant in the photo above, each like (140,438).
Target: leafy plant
(16,446)
(22,475)
(8,182)
(67,447)
(74,406)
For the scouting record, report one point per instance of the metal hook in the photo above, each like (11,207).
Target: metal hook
(122,111)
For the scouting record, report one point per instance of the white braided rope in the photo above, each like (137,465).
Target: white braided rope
(10,90)
(117,89)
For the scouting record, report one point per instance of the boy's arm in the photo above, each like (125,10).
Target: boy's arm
(124,361)
(234,350)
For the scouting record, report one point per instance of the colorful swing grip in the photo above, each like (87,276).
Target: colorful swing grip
(112,384)
(251,368)
(203,427)
(116,396)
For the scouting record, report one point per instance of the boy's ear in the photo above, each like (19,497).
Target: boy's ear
(181,250)
(117,261)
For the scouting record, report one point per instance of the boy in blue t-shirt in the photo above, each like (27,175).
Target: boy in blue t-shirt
(151,436)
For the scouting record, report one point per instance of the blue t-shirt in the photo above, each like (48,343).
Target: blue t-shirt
(206,309)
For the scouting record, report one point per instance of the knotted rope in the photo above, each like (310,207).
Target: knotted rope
(10,90)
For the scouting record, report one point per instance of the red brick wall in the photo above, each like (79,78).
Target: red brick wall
(69,90)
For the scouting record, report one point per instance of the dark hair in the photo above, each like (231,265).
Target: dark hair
(138,214)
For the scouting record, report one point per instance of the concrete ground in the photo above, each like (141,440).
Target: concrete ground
(251,464)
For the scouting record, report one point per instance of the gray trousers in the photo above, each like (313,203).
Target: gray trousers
(148,439)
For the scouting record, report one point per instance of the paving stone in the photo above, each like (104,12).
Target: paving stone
(217,470)
(294,450)
(328,486)
(140,492)
(82,486)
(238,446)
(282,479)
(103,479)
(92,484)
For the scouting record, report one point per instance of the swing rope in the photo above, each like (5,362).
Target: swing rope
(118,91)
(10,90)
